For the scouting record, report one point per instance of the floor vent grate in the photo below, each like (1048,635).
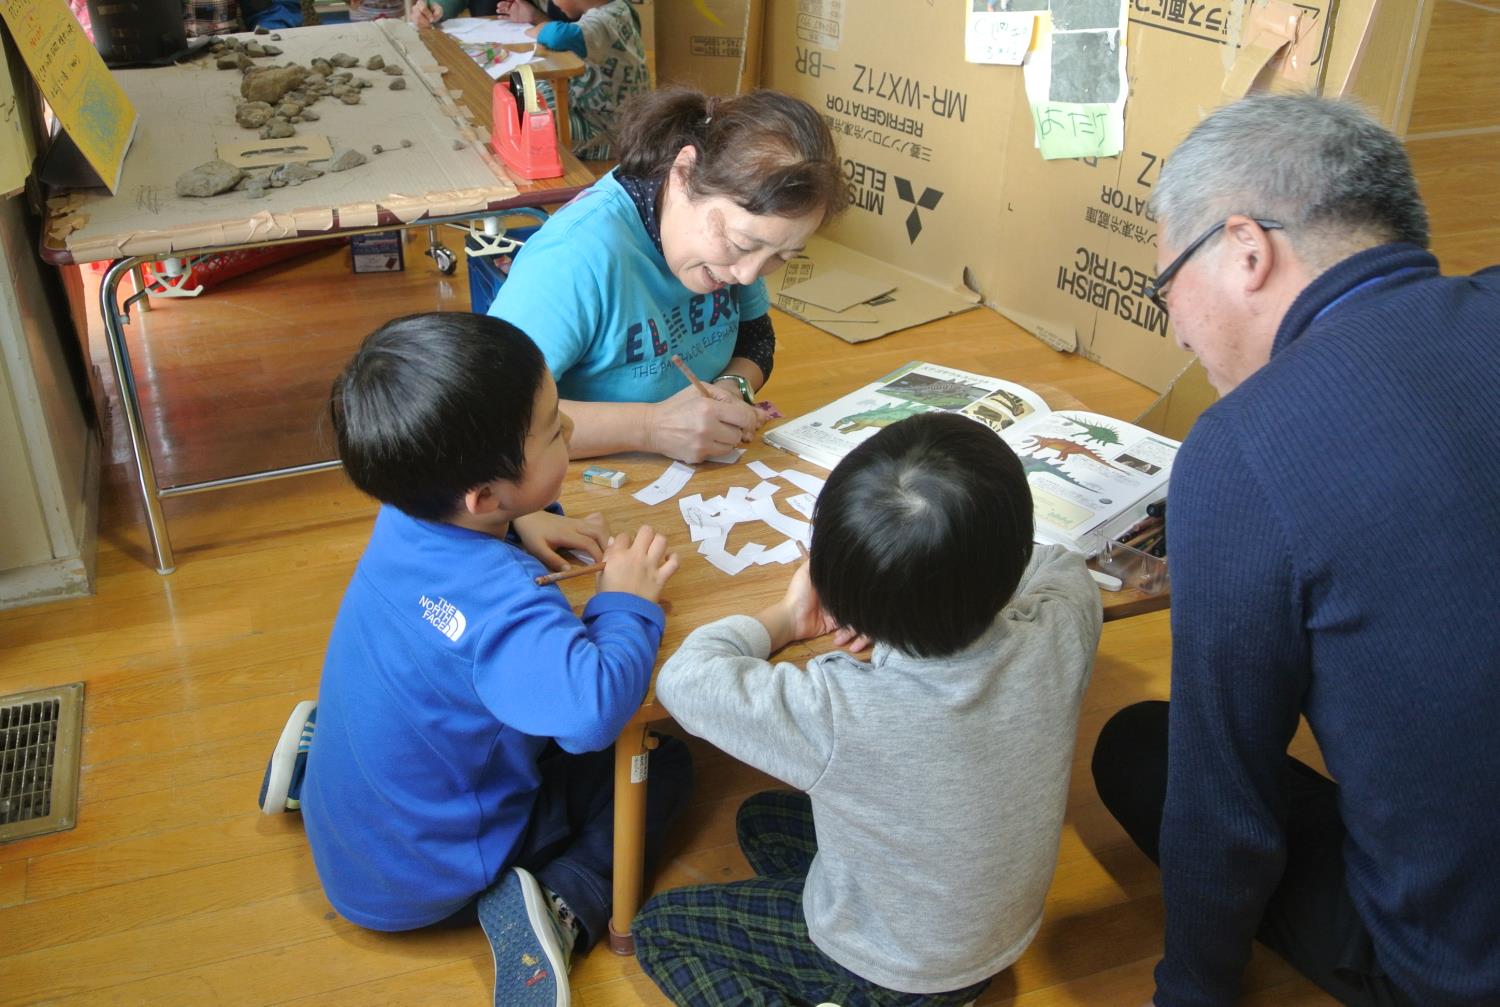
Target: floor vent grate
(39,735)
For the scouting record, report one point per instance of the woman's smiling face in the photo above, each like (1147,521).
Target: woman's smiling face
(712,242)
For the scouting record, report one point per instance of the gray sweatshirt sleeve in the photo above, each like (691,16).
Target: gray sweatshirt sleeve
(1056,588)
(776,717)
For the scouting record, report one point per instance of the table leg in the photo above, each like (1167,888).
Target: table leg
(130,404)
(138,279)
(564,123)
(632,757)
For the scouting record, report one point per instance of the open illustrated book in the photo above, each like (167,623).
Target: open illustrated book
(1085,470)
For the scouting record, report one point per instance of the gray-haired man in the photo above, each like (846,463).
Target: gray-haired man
(1335,530)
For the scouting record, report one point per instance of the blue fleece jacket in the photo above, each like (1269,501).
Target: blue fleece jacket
(447,673)
(1335,530)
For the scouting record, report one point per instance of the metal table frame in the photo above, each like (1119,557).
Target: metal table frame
(116,316)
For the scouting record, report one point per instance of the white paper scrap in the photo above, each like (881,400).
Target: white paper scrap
(763,470)
(764,489)
(729,457)
(667,485)
(716,555)
(804,481)
(803,504)
(786,552)
(765,509)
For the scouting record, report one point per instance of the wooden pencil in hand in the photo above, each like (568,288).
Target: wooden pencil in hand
(687,372)
(577,571)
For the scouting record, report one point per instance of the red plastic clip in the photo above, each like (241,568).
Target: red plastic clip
(526,141)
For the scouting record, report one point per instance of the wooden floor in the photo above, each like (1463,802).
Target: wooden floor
(173,890)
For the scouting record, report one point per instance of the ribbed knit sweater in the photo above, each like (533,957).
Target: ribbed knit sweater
(1335,531)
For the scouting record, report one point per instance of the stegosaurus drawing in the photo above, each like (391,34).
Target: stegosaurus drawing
(1097,432)
(1066,449)
(880,416)
(1032,465)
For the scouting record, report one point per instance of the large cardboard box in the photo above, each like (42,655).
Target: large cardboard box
(704,43)
(646,11)
(947,184)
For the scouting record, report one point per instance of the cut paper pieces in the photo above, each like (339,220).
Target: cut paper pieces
(791,527)
(804,481)
(667,485)
(731,564)
(711,521)
(729,457)
(803,503)
(786,552)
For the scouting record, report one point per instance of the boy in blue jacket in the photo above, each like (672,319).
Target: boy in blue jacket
(461,766)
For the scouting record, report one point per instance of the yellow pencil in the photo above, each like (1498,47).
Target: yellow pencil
(553,578)
(687,372)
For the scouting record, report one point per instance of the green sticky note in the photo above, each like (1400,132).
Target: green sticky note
(1071,129)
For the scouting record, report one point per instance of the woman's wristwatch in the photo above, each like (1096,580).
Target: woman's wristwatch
(746,392)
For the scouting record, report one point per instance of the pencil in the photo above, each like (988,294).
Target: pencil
(553,578)
(687,372)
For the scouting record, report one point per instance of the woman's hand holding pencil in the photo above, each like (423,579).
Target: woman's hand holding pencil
(700,421)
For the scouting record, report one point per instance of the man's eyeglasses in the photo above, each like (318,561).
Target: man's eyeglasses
(1156,290)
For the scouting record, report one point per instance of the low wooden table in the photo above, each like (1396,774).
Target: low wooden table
(812,369)
(557,67)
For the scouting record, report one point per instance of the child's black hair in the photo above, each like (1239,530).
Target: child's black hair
(922,534)
(432,405)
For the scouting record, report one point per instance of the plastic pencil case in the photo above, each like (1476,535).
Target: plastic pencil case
(1134,567)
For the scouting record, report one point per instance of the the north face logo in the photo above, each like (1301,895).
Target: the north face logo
(927,201)
(444,616)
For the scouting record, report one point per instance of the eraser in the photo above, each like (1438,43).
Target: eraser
(600,476)
(1105,581)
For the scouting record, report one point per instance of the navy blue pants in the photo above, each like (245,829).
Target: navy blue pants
(569,842)
(745,944)
(1310,920)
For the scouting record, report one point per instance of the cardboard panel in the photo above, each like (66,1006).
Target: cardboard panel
(701,42)
(947,184)
(922,133)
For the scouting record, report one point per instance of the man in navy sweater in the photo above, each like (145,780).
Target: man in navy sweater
(1335,532)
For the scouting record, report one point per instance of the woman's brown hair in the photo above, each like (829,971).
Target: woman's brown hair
(770,153)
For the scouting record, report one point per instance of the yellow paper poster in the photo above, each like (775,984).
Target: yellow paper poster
(15,146)
(71,75)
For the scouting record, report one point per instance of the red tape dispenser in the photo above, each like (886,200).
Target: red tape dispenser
(526,141)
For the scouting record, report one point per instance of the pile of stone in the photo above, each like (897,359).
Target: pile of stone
(214,177)
(273,100)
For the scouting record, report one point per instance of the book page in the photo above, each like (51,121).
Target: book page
(1086,470)
(826,435)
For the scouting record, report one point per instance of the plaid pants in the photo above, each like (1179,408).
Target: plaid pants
(746,942)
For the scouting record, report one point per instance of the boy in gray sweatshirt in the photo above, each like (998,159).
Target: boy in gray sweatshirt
(914,864)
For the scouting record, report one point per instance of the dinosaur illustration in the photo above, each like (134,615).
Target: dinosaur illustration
(880,416)
(1066,449)
(1017,405)
(1033,465)
(1097,432)
(939,393)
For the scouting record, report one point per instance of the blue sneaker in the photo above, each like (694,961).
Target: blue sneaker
(530,944)
(281,788)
